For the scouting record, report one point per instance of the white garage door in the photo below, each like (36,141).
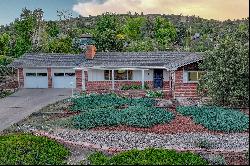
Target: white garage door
(35,78)
(63,78)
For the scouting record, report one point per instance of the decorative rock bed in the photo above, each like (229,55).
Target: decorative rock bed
(119,141)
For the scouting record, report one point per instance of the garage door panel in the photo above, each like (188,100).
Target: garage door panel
(63,82)
(62,78)
(35,78)
(36,82)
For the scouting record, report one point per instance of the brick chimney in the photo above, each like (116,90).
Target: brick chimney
(90,52)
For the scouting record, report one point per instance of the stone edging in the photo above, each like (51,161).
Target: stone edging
(116,150)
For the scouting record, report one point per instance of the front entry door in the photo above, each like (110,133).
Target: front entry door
(158,78)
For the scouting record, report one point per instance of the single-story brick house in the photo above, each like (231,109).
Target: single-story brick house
(174,72)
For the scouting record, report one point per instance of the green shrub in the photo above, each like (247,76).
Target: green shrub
(149,156)
(96,101)
(217,118)
(26,149)
(98,117)
(145,116)
(137,116)
(155,94)
(128,87)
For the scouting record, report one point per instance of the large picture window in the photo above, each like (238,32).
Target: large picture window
(118,74)
(194,76)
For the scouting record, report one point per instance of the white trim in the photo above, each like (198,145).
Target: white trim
(113,80)
(83,81)
(142,79)
(173,84)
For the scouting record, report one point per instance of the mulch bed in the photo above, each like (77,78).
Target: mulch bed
(236,159)
(180,124)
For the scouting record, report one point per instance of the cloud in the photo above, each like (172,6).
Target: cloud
(212,9)
(93,1)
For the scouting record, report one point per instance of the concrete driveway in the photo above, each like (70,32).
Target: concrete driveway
(26,101)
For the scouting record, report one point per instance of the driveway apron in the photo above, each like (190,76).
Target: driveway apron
(24,102)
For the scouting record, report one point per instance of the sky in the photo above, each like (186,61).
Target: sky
(210,9)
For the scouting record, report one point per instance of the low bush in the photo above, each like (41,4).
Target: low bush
(128,87)
(217,118)
(96,101)
(155,94)
(26,149)
(131,116)
(149,156)
(145,116)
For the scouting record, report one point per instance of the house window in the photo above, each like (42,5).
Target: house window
(70,74)
(121,75)
(194,76)
(42,74)
(31,74)
(118,74)
(107,74)
(59,74)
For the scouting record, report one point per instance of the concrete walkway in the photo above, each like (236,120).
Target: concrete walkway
(26,101)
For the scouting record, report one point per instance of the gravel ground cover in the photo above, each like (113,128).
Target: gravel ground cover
(130,140)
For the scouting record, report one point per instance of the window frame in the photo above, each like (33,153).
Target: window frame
(59,75)
(31,74)
(197,75)
(128,78)
(40,74)
(69,74)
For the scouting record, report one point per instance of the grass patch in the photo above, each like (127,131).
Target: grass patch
(131,116)
(217,118)
(26,149)
(149,156)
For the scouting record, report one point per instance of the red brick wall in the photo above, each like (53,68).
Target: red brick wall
(21,77)
(99,85)
(78,79)
(49,78)
(184,89)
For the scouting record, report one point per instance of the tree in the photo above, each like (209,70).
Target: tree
(133,28)
(165,32)
(5,60)
(4,44)
(62,45)
(52,29)
(141,45)
(227,79)
(24,29)
(108,33)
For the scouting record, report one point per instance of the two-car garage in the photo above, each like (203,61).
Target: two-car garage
(39,78)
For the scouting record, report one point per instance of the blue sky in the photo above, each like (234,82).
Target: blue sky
(11,9)
(210,9)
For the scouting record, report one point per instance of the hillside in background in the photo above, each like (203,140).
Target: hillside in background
(112,32)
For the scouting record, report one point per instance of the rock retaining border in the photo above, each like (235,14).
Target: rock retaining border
(111,150)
